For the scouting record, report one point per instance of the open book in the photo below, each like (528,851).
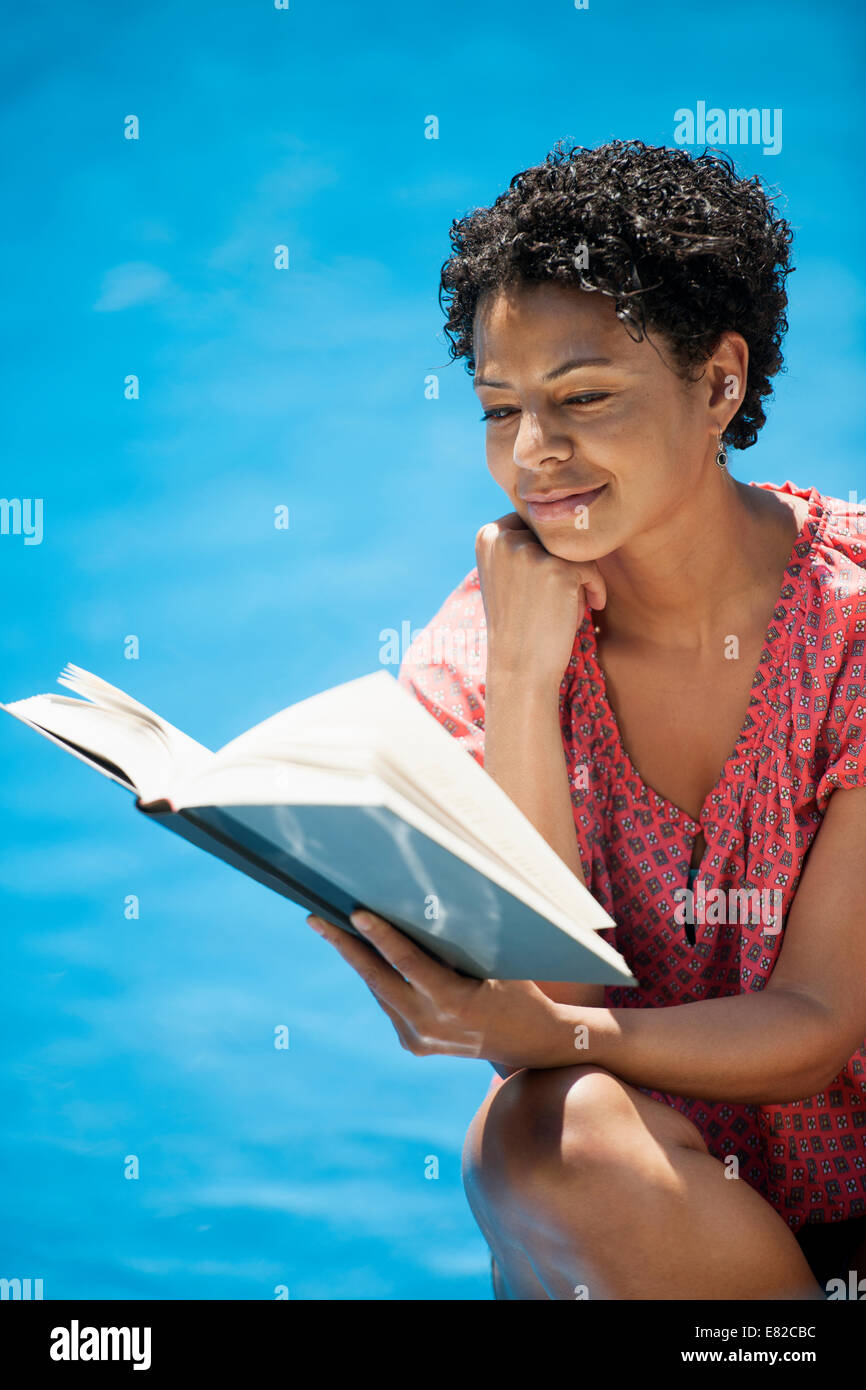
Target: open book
(356,797)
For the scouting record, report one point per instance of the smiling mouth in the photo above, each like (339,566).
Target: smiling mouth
(553,506)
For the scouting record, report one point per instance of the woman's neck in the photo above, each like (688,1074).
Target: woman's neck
(718,559)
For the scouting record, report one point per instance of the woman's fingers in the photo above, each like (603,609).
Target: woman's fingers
(593,583)
(370,977)
(586,572)
(390,958)
(511,521)
(401,1027)
(384,981)
(420,970)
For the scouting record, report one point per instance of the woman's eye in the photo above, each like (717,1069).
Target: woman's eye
(502,412)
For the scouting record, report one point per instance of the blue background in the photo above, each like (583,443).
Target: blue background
(305,388)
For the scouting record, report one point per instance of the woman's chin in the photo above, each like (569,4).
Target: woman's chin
(577,548)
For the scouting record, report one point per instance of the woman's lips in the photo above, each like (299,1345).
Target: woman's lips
(562,506)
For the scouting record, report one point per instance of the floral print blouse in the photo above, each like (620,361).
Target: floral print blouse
(804,737)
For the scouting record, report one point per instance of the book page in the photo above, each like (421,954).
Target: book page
(114,733)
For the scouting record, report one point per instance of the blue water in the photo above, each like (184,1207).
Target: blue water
(154,1037)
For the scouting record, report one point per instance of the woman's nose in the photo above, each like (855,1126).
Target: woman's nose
(537,441)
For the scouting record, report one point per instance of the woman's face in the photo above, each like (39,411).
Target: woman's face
(575,408)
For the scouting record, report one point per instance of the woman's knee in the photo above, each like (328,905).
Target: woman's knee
(539,1122)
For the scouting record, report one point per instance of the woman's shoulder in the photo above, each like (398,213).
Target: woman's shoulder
(465,600)
(824,609)
(833,527)
(826,577)
(445,665)
(841,536)
(835,577)
(456,636)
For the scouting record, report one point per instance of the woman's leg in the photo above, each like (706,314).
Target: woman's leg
(585,1187)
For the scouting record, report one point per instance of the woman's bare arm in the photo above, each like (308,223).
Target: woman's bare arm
(534,603)
(523,752)
(785,1042)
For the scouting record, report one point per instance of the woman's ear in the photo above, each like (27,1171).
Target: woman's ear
(726,374)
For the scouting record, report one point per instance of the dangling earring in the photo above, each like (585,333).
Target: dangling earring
(722,454)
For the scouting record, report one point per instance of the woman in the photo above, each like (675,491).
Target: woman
(674,695)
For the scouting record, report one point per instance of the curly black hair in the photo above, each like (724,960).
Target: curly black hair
(680,242)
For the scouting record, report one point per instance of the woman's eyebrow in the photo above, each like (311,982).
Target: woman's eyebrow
(569,366)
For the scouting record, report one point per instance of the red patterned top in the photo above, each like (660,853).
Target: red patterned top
(804,735)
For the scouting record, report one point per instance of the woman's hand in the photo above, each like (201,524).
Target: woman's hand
(534,602)
(436,1010)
